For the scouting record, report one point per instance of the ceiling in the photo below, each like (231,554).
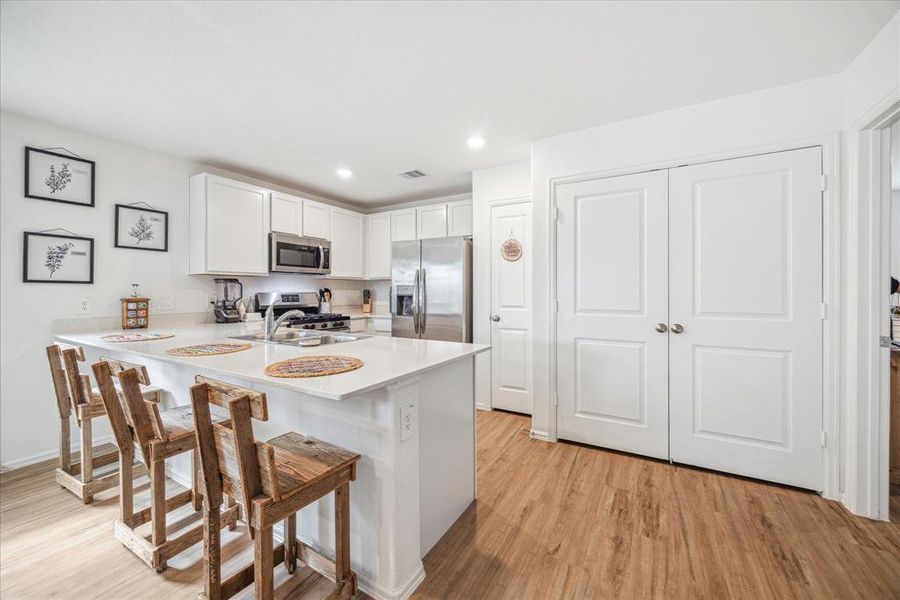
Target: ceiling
(288,92)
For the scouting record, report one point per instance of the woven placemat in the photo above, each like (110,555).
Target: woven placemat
(211,349)
(118,338)
(313,366)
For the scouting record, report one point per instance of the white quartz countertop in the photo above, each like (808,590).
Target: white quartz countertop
(385,359)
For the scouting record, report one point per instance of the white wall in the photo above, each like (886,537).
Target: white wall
(505,182)
(28,417)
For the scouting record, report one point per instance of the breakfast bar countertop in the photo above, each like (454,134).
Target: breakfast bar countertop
(385,359)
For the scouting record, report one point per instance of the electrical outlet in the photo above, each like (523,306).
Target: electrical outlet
(407,421)
(85,306)
(164,302)
(210,298)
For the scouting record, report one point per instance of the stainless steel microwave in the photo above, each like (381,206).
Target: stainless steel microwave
(295,254)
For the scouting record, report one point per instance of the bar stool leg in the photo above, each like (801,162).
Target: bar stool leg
(342,533)
(87,457)
(126,487)
(158,502)
(263,564)
(290,543)
(229,502)
(65,445)
(212,566)
(196,497)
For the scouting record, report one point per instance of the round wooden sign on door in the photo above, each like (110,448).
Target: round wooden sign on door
(511,249)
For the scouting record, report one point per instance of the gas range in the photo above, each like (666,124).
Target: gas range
(308,302)
(330,321)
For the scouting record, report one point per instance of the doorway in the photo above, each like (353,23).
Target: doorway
(894,261)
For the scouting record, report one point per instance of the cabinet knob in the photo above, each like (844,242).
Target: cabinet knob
(495,318)
(677,328)
(661,328)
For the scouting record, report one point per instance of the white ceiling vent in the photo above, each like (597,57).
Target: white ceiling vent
(414,174)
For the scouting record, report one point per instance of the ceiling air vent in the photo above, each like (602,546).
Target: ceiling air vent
(415,174)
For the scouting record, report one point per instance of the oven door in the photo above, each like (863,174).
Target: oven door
(294,254)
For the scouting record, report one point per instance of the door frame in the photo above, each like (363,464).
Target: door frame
(485,254)
(831,282)
(868,390)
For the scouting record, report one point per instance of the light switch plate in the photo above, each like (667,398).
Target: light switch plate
(164,303)
(85,306)
(407,421)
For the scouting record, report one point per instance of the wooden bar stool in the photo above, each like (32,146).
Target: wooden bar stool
(160,434)
(75,396)
(273,480)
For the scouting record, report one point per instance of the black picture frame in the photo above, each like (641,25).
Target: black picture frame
(29,150)
(30,235)
(118,221)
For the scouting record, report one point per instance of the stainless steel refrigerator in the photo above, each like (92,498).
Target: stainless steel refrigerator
(431,289)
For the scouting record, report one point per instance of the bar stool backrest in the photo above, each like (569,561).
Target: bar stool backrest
(232,461)
(112,402)
(64,400)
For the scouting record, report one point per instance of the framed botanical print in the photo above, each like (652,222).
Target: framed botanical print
(55,258)
(58,177)
(141,228)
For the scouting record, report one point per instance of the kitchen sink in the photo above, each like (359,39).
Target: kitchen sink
(302,338)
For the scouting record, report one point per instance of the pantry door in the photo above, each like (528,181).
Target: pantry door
(612,345)
(745,293)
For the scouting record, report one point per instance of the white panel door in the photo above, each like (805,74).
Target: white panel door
(511,310)
(611,282)
(346,243)
(432,221)
(459,218)
(746,287)
(378,244)
(316,220)
(287,213)
(403,225)
(237,226)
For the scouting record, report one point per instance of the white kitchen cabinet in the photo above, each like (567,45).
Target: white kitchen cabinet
(347,243)
(229,227)
(378,246)
(432,221)
(459,218)
(316,219)
(286,214)
(403,225)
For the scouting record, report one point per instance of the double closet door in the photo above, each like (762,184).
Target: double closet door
(689,324)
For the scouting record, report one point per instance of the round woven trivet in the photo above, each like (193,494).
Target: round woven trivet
(313,366)
(211,349)
(118,338)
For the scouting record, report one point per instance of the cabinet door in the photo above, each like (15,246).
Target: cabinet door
(287,213)
(459,218)
(432,222)
(403,225)
(378,244)
(346,243)
(237,224)
(316,219)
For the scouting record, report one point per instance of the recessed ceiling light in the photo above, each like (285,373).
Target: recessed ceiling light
(344,173)
(476,141)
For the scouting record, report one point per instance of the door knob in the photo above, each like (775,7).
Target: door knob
(661,328)
(495,318)
(677,328)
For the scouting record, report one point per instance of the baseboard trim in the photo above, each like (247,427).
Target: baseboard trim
(540,435)
(33,459)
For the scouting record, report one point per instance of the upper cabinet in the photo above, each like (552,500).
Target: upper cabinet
(347,243)
(378,246)
(432,221)
(229,227)
(287,213)
(403,225)
(459,218)
(316,219)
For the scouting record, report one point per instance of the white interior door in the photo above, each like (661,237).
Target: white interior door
(511,309)
(745,277)
(612,363)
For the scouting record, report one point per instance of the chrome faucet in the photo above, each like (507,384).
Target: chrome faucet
(272,324)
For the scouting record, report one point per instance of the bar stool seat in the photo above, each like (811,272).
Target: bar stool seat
(301,462)
(178,422)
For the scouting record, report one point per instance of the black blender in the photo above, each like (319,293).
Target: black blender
(229,292)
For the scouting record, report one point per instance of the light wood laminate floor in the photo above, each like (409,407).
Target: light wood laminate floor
(552,521)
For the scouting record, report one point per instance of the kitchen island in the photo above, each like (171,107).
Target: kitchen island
(409,411)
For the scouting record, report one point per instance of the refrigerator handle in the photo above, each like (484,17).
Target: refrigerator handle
(424,300)
(416,304)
